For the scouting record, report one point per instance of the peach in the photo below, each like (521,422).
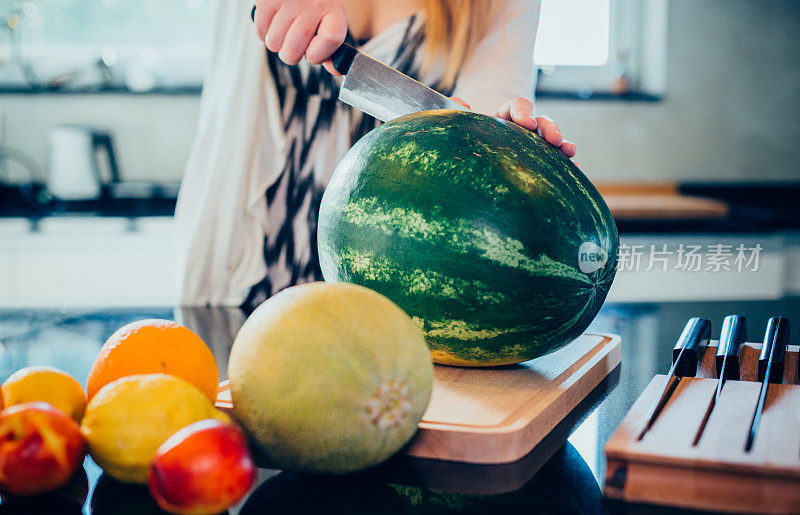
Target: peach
(41,448)
(203,468)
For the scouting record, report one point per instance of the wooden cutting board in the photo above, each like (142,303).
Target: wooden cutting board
(498,415)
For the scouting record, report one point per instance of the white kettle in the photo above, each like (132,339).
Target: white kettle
(74,172)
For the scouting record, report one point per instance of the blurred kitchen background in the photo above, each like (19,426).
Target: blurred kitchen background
(685,114)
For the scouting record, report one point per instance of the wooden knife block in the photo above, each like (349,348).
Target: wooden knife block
(717,473)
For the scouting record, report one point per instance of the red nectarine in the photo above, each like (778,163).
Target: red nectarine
(40,448)
(203,468)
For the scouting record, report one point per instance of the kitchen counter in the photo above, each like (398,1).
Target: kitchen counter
(32,202)
(638,208)
(558,480)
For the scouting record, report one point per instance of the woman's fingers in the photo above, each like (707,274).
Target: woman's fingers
(518,110)
(297,28)
(521,110)
(297,39)
(504,111)
(265,11)
(279,26)
(329,36)
(568,149)
(328,65)
(549,130)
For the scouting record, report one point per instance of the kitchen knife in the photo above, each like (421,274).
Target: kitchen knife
(378,89)
(731,337)
(773,352)
(684,364)
(381,91)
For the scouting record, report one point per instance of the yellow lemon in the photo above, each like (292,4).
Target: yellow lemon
(128,419)
(46,384)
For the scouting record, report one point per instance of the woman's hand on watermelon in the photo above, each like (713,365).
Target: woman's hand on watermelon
(297,28)
(520,110)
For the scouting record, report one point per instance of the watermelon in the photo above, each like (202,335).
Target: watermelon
(494,242)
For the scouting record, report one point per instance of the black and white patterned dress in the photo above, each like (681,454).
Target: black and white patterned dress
(319,130)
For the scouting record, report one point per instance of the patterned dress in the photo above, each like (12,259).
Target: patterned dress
(319,130)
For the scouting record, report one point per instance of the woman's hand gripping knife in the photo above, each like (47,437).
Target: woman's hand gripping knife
(294,29)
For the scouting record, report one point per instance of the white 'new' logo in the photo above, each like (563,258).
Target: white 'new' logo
(591,257)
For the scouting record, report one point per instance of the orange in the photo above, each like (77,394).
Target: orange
(155,346)
(46,384)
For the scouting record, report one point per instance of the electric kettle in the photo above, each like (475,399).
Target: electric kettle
(75,172)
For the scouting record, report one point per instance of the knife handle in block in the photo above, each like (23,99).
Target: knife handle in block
(777,331)
(686,353)
(731,337)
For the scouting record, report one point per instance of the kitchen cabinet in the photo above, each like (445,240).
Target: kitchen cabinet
(655,268)
(88,261)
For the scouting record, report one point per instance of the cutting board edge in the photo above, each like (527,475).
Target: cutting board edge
(611,354)
(511,437)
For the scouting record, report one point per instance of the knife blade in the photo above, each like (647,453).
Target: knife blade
(731,337)
(771,360)
(685,357)
(381,91)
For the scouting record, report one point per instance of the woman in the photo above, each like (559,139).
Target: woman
(271,129)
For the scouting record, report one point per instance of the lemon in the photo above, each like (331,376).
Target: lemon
(128,419)
(46,384)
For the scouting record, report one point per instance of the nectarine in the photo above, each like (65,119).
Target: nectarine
(41,448)
(203,468)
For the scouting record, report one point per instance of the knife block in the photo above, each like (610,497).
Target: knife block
(718,474)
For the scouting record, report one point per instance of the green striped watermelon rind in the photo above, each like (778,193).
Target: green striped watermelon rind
(490,285)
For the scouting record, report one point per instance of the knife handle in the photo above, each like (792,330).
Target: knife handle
(731,337)
(773,350)
(685,355)
(343,57)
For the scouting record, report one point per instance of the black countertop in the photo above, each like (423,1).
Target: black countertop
(561,479)
(32,201)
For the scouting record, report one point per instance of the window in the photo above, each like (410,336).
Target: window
(601,49)
(126,44)
(585,48)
